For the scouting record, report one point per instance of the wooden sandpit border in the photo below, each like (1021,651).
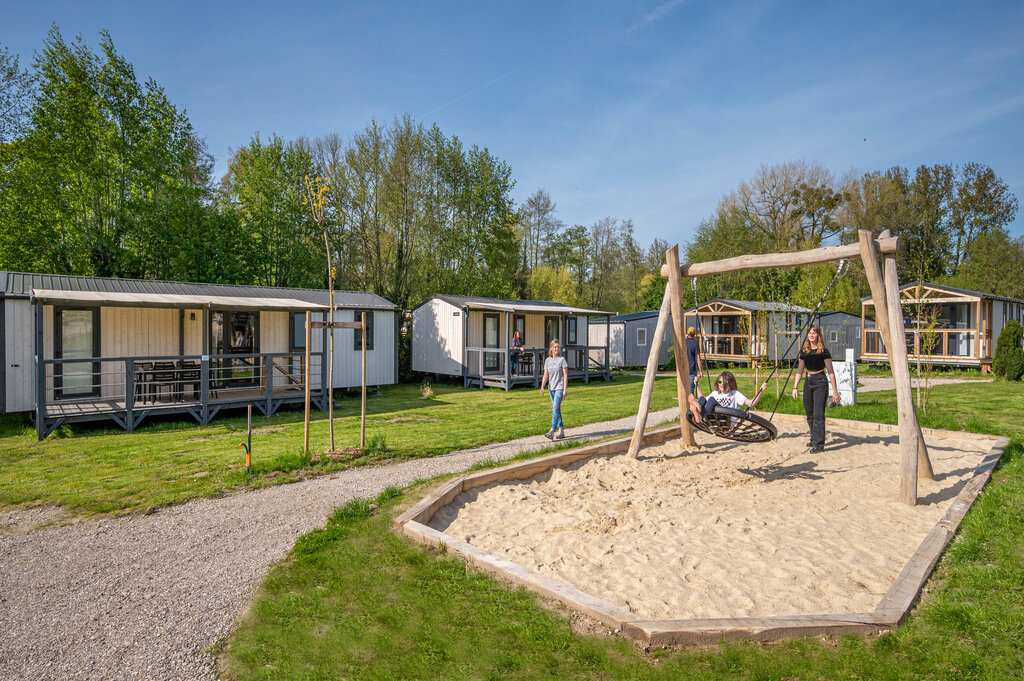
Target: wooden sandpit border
(891,611)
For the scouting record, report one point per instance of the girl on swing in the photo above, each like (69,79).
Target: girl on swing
(817,361)
(725,395)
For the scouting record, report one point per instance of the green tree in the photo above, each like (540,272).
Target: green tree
(1008,360)
(994,263)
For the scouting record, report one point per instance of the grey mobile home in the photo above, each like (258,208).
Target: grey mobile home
(745,330)
(841,331)
(77,348)
(632,336)
(470,337)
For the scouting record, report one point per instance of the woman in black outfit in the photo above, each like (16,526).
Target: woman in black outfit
(817,360)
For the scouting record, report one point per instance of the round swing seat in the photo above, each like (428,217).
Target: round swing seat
(735,424)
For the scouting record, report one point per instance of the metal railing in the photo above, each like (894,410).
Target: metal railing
(527,365)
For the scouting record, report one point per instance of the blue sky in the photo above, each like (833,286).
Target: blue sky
(645,110)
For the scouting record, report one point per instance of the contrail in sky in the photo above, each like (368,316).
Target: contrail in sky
(655,14)
(495,80)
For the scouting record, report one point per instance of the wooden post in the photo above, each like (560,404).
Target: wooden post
(909,441)
(362,420)
(330,367)
(306,375)
(204,369)
(652,371)
(675,288)
(129,394)
(869,256)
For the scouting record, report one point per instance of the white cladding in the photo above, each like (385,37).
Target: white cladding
(19,355)
(615,346)
(437,342)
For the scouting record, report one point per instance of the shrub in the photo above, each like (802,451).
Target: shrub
(1008,360)
(377,444)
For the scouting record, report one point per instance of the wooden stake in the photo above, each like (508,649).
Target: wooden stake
(675,288)
(362,421)
(652,371)
(305,378)
(869,256)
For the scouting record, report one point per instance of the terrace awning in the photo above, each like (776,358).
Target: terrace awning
(59,297)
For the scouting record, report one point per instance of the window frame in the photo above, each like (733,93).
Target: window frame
(638,330)
(357,334)
(293,337)
(572,330)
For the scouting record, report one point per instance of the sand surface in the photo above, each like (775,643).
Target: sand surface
(732,530)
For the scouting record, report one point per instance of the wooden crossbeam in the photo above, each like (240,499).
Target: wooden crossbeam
(337,325)
(769,261)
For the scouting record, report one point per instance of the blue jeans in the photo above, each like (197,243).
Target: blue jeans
(556,409)
(693,382)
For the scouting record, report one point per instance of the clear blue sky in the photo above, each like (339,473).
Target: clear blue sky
(649,110)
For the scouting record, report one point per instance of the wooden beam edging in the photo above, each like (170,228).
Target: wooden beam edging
(892,610)
(901,596)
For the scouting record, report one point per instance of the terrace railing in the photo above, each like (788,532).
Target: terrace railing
(953,345)
(127,389)
(487,365)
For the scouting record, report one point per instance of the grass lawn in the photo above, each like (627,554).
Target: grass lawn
(92,470)
(355,600)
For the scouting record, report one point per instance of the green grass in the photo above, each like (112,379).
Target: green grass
(103,470)
(356,601)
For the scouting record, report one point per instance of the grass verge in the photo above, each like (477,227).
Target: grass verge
(94,470)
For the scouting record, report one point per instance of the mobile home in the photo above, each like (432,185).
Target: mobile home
(76,348)
(631,338)
(944,325)
(471,338)
(745,330)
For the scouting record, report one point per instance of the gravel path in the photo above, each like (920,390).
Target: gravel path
(146,596)
(875,383)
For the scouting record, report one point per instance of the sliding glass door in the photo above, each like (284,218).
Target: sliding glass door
(235,333)
(77,337)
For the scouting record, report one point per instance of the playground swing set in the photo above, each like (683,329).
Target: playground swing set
(744,426)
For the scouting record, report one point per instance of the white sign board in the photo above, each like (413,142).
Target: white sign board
(846,379)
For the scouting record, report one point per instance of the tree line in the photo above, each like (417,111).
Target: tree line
(103,175)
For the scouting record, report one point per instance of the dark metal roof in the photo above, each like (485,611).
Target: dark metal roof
(961,291)
(520,305)
(22,283)
(826,313)
(630,317)
(462,301)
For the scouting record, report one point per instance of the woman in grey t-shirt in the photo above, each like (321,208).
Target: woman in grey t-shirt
(556,376)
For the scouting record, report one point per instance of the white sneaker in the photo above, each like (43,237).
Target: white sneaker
(550,434)
(561,433)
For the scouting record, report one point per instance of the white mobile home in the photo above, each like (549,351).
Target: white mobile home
(631,338)
(471,337)
(946,325)
(126,348)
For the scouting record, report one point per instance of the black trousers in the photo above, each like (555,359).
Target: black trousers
(815,397)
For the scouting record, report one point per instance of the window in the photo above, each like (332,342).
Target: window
(235,333)
(297,339)
(358,333)
(641,336)
(76,336)
(519,324)
(570,330)
(833,336)
(550,330)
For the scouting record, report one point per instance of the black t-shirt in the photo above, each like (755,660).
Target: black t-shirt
(692,350)
(815,361)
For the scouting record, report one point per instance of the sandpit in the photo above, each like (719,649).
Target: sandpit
(729,531)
